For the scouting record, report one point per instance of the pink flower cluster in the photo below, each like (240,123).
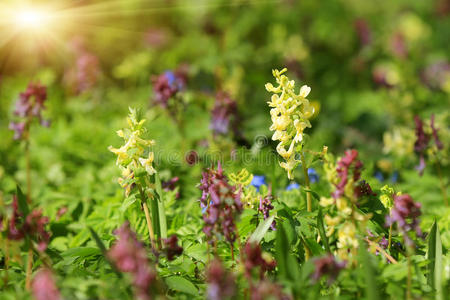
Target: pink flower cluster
(129,256)
(30,104)
(44,287)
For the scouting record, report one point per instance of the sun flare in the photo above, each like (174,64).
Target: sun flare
(31,18)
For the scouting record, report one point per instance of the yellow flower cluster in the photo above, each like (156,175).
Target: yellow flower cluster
(387,197)
(131,156)
(242,180)
(290,113)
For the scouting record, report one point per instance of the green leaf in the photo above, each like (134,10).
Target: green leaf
(314,194)
(287,264)
(97,240)
(161,209)
(197,251)
(81,252)
(22,201)
(127,203)
(261,230)
(180,284)
(321,228)
(435,258)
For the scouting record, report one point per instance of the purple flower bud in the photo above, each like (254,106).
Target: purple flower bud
(265,206)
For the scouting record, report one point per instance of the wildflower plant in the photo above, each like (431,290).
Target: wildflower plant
(139,176)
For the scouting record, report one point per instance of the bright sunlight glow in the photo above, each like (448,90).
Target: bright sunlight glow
(31,19)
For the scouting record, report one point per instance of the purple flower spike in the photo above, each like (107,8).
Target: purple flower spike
(406,214)
(221,204)
(30,104)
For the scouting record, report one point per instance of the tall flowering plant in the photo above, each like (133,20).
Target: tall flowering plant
(29,107)
(135,159)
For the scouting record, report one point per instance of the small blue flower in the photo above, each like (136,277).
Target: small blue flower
(313,176)
(378,175)
(258,181)
(170,77)
(395,176)
(293,186)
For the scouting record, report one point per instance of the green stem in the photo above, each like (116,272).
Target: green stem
(409,279)
(305,173)
(28,168)
(151,233)
(29,268)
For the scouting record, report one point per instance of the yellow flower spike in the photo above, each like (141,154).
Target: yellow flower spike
(290,116)
(130,156)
